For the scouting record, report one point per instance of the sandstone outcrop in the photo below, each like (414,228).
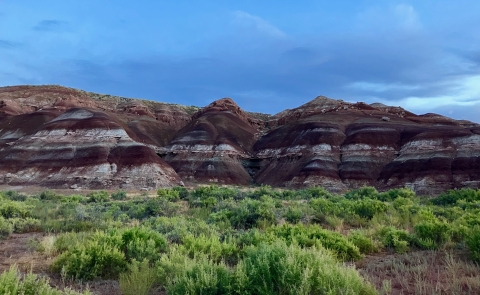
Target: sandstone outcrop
(62,137)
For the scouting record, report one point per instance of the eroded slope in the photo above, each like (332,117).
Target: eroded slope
(57,136)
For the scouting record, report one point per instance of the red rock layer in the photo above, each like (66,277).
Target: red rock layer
(82,148)
(342,146)
(211,147)
(58,136)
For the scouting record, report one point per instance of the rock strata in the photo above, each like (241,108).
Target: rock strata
(212,146)
(62,137)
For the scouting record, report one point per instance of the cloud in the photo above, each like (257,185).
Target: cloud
(407,16)
(5,44)
(49,25)
(387,54)
(464,92)
(381,87)
(245,20)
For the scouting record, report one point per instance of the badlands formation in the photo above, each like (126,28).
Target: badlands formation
(60,137)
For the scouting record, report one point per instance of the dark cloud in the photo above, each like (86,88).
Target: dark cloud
(265,70)
(49,25)
(296,75)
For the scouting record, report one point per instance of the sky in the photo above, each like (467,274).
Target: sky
(267,55)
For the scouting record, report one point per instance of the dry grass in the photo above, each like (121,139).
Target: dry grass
(422,272)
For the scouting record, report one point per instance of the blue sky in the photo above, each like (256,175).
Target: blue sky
(266,55)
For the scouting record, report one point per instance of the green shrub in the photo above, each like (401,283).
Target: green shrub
(138,280)
(470,218)
(452,196)
(264,190)
(139,243)
(170,195)
(250,212)
(13,209)
(334,222)
(212,247)
(15,196)
(363,243)
(362,193)
(25,225)
(161,207)
(395,238)
(176,228)
(281,269)
(50,196)
(202,277)
(58,226)
(74,199)
(323,207)
(12,283)
(173,264)
(396,193)
(315,192)
(208,196)
(66,241)
(434,231)
(98,197)
(473,243)
(119,195)
(293,215)
(367,208)
(106,254)
(6,228)
(182,192)
(91,260)
(149,207)
(314,235)
(290,195)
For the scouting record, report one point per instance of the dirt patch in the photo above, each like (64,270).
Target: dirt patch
(15,250)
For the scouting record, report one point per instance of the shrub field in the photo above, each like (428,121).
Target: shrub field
(224,240)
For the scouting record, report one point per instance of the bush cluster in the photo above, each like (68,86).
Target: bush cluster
(221,240)
(106,254)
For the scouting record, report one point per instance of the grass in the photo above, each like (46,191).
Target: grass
(13,283)
(423,273)
(139,279)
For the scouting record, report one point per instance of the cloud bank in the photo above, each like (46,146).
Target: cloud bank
(396,54)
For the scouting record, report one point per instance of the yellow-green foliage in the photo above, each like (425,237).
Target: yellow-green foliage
(139,278)
(274,268)
(314,235)
(12,283)
(6,228)
(106,254)
(473,243)
(168,194)
(281,269)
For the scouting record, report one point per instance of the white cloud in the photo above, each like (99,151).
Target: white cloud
(381,87)
(465,92)
(245,19)
(407,16)
(400,17)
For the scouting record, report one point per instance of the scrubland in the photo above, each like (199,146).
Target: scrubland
(226,240)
